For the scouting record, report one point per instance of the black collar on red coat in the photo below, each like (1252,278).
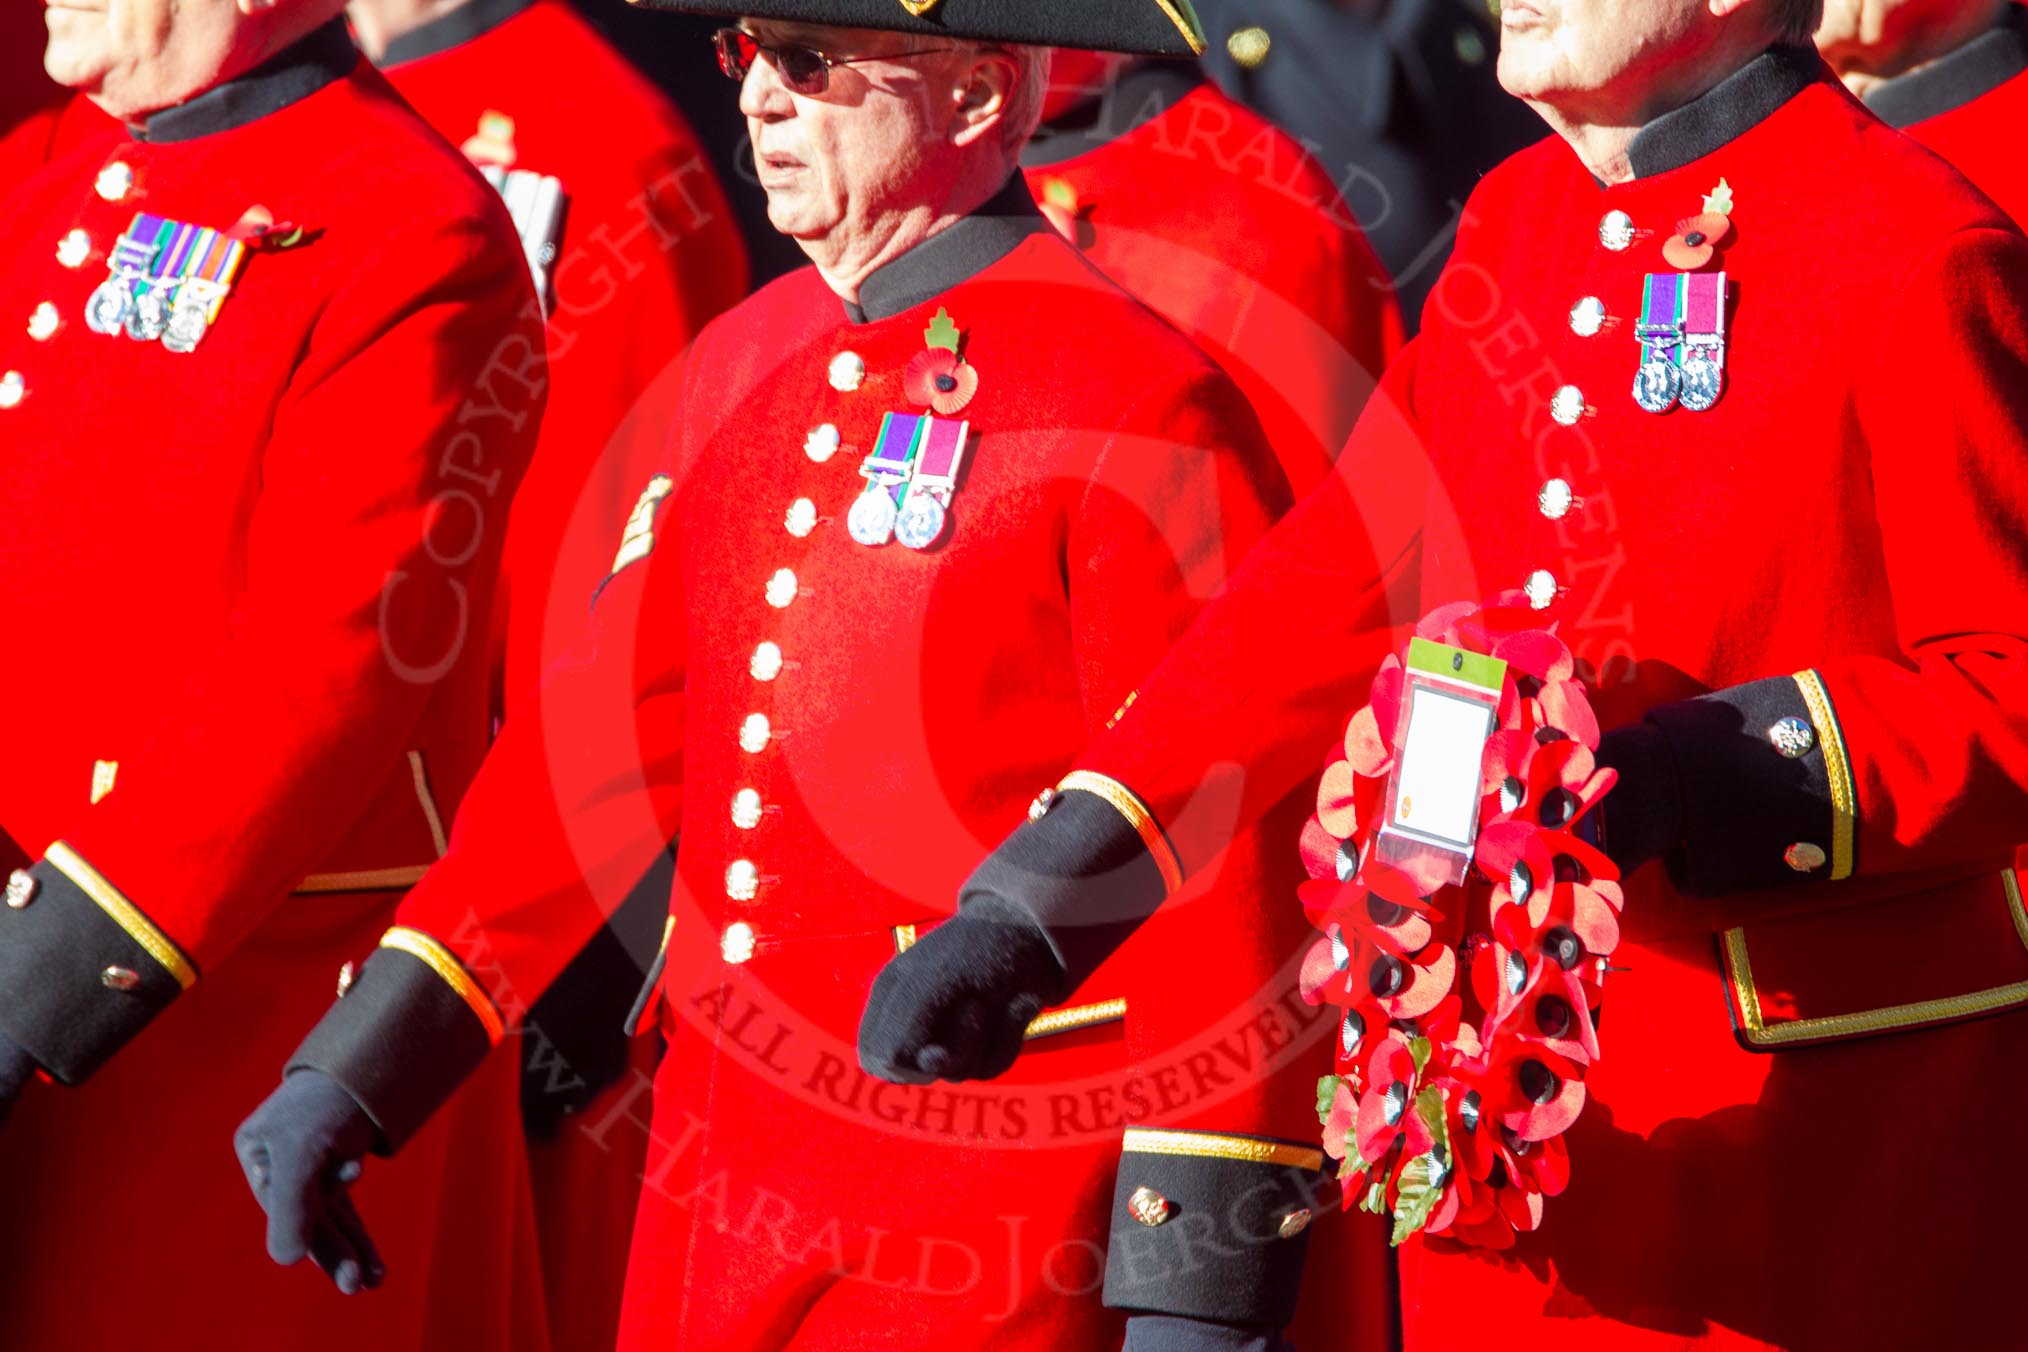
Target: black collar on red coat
(1725,112)
(454,29)
(955,254)
(299,70)
(1972,71)
(1140,94)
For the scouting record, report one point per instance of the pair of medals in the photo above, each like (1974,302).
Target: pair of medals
(1682,336)
(167,282)
(910,480)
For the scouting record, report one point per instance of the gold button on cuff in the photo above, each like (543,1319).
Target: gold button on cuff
(120,978)
(754,734)
(347,975)
(43,324)
(1294,1223)
(1044,801)
(1804,857)
(1249,46)
(767,662)
(746,809)
(742,880)
(1148,1207)
(21,889)
(13,389)
(736,944)
(74,250)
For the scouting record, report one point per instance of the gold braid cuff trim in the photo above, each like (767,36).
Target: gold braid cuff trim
(1248,1149)
(124,913)
(1136,812)
(441,961)
(1884,1020)
(1069,1019)
(1837,767)
(1073,1017)
(362,880)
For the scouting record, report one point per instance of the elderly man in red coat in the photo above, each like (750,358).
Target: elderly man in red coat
(1795,577)
(1949,73)
(262,428)
(929,509)
(1226,227)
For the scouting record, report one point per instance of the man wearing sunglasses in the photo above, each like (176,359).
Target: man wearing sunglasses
(930,509)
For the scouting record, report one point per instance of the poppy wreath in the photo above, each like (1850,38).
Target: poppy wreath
(1468,1014)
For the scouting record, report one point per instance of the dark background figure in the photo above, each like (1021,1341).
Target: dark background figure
(675,52)
(1397,98)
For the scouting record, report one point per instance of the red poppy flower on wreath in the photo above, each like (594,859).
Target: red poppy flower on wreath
(941,380)
(1697,239)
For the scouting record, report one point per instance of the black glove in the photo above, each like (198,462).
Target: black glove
(1167,1333)
(1642,818)
(301,1150)
(956,1006)
(16,1066)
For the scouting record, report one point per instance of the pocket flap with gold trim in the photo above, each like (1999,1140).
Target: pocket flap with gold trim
(1911,961)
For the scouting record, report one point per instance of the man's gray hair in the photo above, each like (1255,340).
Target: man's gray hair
(1795,21)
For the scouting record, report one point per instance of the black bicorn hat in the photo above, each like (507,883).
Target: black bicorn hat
(1152,27)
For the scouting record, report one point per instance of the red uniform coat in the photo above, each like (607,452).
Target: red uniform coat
(649,251)
(837,728)
(1969,107)
(1223,225)
(1839,540)
(251,582)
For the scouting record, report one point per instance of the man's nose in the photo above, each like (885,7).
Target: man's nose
(762,94)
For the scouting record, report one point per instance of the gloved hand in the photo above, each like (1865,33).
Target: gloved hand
(301,1150)
(957,1004)
(1642,818)
(1170,1333)
(16,1066)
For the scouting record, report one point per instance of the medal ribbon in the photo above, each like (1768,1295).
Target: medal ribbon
(1704,311)
(1663,301)
(943,450)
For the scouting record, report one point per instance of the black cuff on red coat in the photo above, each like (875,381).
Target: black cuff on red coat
(400,1040)
(1081,873)
(1213,1227)
(82,970)
(1765,787)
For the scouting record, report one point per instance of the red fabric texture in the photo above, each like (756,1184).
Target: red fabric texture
(1226,227)
(252,576)
(924,698)
(650,253)
(1981,140)
(1854,504)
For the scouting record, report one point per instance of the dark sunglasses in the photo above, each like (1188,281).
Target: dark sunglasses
(803,69)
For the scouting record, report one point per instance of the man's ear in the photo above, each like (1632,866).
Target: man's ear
(984,94)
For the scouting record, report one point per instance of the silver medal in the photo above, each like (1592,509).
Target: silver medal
(1658,385)
(187,326)
(1703,381)
(149,317)
(106,312)
(921,523)
(871,520)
